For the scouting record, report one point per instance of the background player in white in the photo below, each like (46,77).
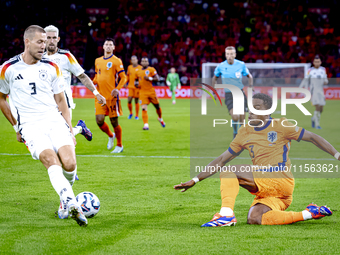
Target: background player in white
(316,77)
(231,72)
(69,65)
(36,89)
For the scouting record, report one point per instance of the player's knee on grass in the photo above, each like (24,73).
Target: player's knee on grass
(114,122)
(129,100)
(136,100)
(144,107)
(255,214)
(100,120)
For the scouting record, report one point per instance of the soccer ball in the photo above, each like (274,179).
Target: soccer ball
(89,203)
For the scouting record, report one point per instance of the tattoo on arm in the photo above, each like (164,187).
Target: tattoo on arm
(86,82)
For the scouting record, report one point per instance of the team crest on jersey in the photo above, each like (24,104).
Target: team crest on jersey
(109,65)
(147,72)
(238,74)
(43,75)
(57,60)
(272,136)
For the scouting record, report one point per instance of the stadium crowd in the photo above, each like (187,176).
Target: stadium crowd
(184,34)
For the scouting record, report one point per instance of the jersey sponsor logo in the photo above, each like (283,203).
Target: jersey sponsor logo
(147,72)
(272,136)
(19,77)
(108,65)
(121,66)
(43,75)
(238,74)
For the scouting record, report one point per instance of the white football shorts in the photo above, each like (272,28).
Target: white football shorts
(318,98)
(43,135)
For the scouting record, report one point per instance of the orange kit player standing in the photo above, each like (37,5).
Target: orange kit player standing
(133,90)
(146,76)
(108,68)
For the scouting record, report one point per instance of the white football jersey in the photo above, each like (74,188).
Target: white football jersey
(31,88)
(69,65)
(317,77)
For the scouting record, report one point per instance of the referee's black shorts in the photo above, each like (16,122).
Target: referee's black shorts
(229,101)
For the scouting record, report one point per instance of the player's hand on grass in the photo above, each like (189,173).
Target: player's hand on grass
(185,186)
(115,92)
(19,138)
(101,99)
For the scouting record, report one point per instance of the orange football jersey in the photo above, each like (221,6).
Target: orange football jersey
(267,145)
(131,74)
(146,85)
(107,71)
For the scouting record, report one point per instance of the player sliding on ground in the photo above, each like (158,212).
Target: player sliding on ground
(146,76)
(36,88)
(268,143)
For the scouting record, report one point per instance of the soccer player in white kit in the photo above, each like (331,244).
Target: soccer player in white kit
(36,89)
(316,77)
(69,65)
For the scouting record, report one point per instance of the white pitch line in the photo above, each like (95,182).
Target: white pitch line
(165,157)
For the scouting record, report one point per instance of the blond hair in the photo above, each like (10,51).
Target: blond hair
(52,28)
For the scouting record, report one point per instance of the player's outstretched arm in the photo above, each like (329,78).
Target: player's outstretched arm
(211,169)
(89,84)
(321,143)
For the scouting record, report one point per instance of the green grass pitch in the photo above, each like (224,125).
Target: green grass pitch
(140,212)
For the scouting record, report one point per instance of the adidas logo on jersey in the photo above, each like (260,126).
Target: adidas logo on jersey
(19,77)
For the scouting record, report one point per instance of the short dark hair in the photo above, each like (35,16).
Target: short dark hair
(317,57)
(31,30)
(267,100)
(109,39)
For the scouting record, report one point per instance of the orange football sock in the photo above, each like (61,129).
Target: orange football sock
(130,107)
(159,112)
(118,132)
(229,189)
(281,218)
(145,116)
(137,109)
(106,129)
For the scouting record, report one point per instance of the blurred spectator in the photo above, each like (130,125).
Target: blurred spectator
(184,33)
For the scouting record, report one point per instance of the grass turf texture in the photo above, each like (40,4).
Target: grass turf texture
(140,212)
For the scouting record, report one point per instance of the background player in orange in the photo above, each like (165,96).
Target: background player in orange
(108,68)
(268,143)
(133,90)
(147,93)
